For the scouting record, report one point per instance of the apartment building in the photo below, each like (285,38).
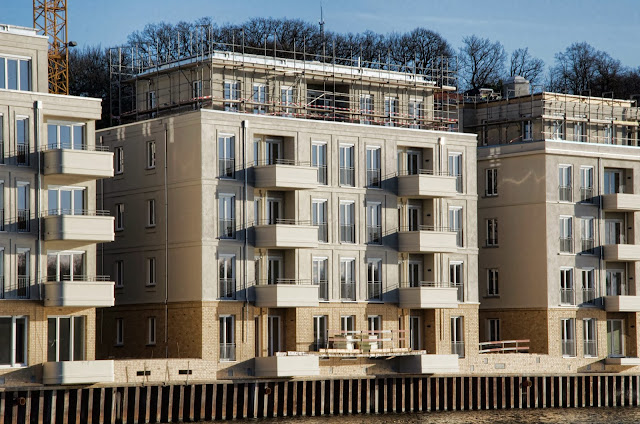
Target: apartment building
(287,217)
(49,225)
(559,192)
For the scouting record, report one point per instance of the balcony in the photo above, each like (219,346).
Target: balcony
(78,226)
(15,289)
(622,361)
(567,296)
(227,352)
(286,234)
(88,163)
(427,184)
(428,295)
(565,194)
(621,202)
(429,364)
(457,348)
(621,252)
(285,175)
(348,290)
(622,303)
(77,372)
(428,239)
(285,365)
(79,291)
(286,293)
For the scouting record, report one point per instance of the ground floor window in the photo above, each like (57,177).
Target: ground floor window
(66,339)
(13,341)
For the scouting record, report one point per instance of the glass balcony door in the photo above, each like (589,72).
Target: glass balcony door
(274,270)
(273,331)
(613,233)
(65,266)
(615,338)
(615,282)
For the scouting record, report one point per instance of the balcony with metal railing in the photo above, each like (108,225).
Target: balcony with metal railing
(227,288)
(23,223)
(618,299)
(347,176)
(323,290)
(227,168)
(77,163)
(566,245)
(567,296)
(347,233)
(286,234)
(348,290)
(590,348)
(568,347)
(78,225)
(586,194)
(18,288)
(374,290)
(565,194)
(227,228)
(374,178)
(428,295)
(285,174)
(589,296)
(286,293)
(427,239)
(22,154)
(227,352)
(78,291)
(427,184)
(587,246)
(457,348)
(374,234)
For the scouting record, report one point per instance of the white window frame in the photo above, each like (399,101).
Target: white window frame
(119,324)
(118,157)
(374,265)
(151,213)
(119,221)
(151,154)
(72,321)
(72,125)
(455,160)
(493,329)
(347,163)
(226,154)
(374,219)
(229,320)
(320,161)
(587,232)
(259,95)
(586,182)
(568,328)
(4,84)
(566,231)
(492,232)
(491,182)
(350,277)
(151,331)
(347,217)
(151,277)
(231,91)
(119,273)
(25,347)
(416,112)
(565,180)
(152,101)
(593,324)
(320,207)
(71,253)
(374,154)
(58,210)
(287,98)
(391,110)
(226,215)
(527,130)
(366,108)
(567,282)
(493,287)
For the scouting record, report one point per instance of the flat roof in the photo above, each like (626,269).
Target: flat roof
(19,30)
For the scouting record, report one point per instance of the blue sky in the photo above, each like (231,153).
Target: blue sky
(545,26)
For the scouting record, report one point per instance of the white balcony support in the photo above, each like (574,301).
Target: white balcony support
(96,294)
(77,372)
(288,366)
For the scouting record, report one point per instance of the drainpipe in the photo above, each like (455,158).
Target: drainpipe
(600,239)
(37,111)
(166,246)
(245,127)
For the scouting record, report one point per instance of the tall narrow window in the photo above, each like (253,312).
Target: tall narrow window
(118,270)
(319,218)
(527,130)
(566,234)
(196,87)
(374,328)
(586,233)
(151,331)
(347,324)
(456,278)
(226,216)
(613,181)
(66,338)
(119,332)
(287,101)
(492,232)
(391,111)
(373,167)
(119,216)
(259,99)
(588,286)
(347,279)
(22,141)
(2,216)
(586,183)
(567,292)
(457,336)
(374,223)
(416,113)
(608,134)
(374,279)
(227,274)
(320,335)
(227,338)
(118,156)
(615,338)
(347,170)
(151,154)
(24,207)
(492,282)
(493,329)
(455,224)
(13,341)
(579,133)
(151,213)
(557,130)
(455,169)
(151,271)
(231,95)
(590,346)
(491,182)
(415,342)
(366,108)
(15,74)
(320,277)
(319,160)
(564,183)
(568,336)
(24,274)
(347,222)
(151,100)
(226,156)
(1,131)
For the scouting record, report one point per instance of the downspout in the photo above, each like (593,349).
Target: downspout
(37,111)
(245,127)
(166,247)
(600,239)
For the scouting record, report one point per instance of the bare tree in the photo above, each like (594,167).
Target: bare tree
(482,62)
(525,65)
(575,68)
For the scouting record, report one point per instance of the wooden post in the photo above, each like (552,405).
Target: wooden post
(341,394)
(124,406)
(294,411)
(101,406)
(376,383)
(78,406)
(192,403)
(157,412)
(394,403)
(170,405)
(304,398)
(40,408)
(285,391)
(245,404)
(265,397)
(256,393)
(53,406)
(234,412)
(27,412)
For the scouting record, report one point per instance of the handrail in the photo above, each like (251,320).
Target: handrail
(291,162)
(438,284)
(427,172)
(287,281)
(284,221)
(430,228)
(66,277)
(504,346)
(79,212)
(72,146)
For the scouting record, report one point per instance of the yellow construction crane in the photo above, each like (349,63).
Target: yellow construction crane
(50,18)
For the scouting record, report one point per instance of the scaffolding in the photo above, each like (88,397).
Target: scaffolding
(153,80)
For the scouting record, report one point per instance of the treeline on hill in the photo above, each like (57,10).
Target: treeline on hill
(482,63)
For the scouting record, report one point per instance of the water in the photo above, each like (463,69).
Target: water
(627,415)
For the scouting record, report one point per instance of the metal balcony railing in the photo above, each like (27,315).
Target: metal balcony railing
(83,212)
(428,228)
(322,174)
(24,220)
(616,290)
(1,219)
(566,245)
(589,296)
(460,287)
(18,289)
(227,351)
(374,290)
(504,346)
(457,348)
(347,176)
(347,233)
(347,291)
(425,172)
(227,228)
(590,348)
(226,168)
(588,246)
(282,221)
(22,156)
(567,296)
(374,234)
(282,161)
(323,232)
(440,284)
(76,277)
(323,291)
(565,193)
(568,347)
(286,281)
(586,194)
(75,146)
(374,178)
(227,288)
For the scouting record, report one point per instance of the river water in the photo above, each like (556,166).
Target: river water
(627,415)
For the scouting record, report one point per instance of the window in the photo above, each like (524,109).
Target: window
(568,336)
(416,113)
(66,266)
(374,279)
(15,73)
(2,276)
(391,111)
(347,279)
(118,271)
(226,156)
(287,100)
(232,94)
(119,159)
(492,232)
(527,130)
(320,335)
(373,167)
(588,286)
(347,323)
(151,213)
(65,135)
(415,273)
(13,341)
(493,330)
(566,234)
(319,218)
(415,342)
(196,87)
(151,100)
(119,332)
(319,160)
(491,182)
(66,338)
(615,337)
(457,336)
(1,138)
(456,278)
(24,207)
(274,328)
(564,183)
(66,200)
(119,216)
(227,217)
(24,273)
(613,181)
(1,202)
(227,275)
(259,99)
(374,223)
(455,169)
(492,282)
(608,134)
(227,338)
(347,222)
(586,183)
(614,283)
(151,154)
(557,130)
(366,108)
(347,171)
(151,271)
(455,223)
(567,293)
(374,330)
(22,141)
(590,346)
(151,331)
(586,233)
(579,133)
(319,277)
